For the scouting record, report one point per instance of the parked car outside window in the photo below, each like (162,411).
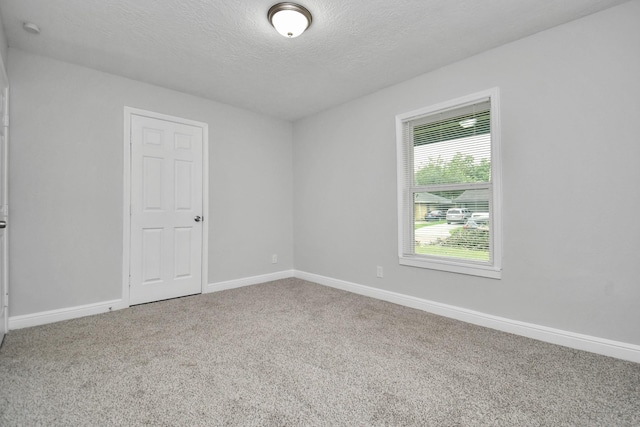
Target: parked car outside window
(478,221)
(480,217)
(435,215)
(458,215)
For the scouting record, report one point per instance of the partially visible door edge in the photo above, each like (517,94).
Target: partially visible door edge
(5,131)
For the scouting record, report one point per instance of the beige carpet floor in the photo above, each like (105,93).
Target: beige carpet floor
(290,353)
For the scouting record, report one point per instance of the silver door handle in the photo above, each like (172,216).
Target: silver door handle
(197,218)
(3,224)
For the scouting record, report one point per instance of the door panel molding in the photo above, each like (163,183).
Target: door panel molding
(180,143)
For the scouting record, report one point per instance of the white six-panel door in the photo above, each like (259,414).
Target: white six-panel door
(166,209)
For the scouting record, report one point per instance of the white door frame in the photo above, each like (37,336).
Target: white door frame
(4,288)
(4,123)
(126,205)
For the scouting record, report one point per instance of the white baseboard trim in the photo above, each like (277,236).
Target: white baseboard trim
(44,317)
(577,341)
(617,349)
(247,281)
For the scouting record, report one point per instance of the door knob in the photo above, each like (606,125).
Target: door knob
(3,224)
(197,218)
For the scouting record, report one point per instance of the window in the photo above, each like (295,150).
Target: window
(449,186)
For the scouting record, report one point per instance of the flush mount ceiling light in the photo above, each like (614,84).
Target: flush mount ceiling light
(289,19)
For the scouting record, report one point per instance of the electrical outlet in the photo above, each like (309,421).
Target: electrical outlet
(274,259)
(379,271)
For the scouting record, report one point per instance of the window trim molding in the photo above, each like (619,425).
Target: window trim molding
(494,270)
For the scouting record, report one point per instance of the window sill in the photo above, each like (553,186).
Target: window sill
(452,267)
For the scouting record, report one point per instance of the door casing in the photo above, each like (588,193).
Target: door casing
(4,203)
(4,207)
(126,211)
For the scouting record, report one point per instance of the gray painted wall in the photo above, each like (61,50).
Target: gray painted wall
(570,106)
(66,185)
(570,99)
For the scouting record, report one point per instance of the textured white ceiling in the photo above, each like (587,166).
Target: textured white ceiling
(227,50)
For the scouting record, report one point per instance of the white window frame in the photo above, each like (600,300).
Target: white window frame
(406,190)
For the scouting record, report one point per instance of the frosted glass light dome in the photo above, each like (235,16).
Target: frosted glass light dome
(289,19)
